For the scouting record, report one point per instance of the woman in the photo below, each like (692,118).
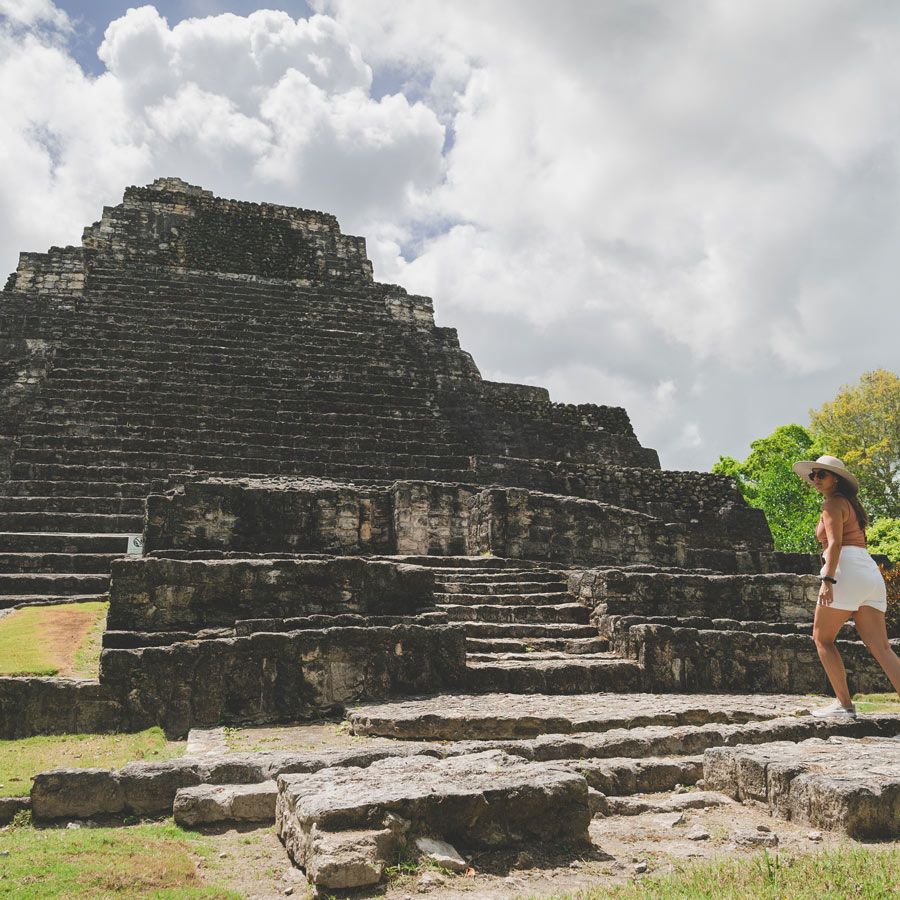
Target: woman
(852,585)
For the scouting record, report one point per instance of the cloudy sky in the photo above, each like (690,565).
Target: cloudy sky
(691,209)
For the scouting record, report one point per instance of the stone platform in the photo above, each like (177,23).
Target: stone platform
(497,716)
(839,783)
(475,801)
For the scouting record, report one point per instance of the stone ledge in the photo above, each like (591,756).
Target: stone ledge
(836,784)
(477,801)
(499,716)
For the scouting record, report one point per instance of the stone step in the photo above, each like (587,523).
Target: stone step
(70,522)
(575,675)
(423,470)
(56,562)
(617,762)
(837,784)
(207,804)
(453,717)
(62,447)
(10,601)
(404,393)
(325,818)
(526,631)
(501,599)
(574,613)
(137,490)
(487,579)
(49,434)
(499,588)
(133,506)
(53,584)
(447,566)
(525,645)
(59,542)
(535,656)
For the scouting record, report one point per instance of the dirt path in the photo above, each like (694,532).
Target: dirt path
(65,629)
(624,848)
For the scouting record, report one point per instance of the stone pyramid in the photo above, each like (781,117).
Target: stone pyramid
(298,493)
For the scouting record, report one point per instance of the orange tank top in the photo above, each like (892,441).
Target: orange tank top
(853,535)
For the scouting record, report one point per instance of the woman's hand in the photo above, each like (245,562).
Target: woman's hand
(826,594)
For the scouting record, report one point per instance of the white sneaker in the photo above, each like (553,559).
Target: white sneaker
(835,710)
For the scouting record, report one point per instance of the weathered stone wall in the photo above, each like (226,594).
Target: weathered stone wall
(30,706)
(174,224)
(520,421)
(728,661)
(770,598)
(751,562)
(279,677)
(159,594)
(517,523)
(710,505)
(31,329)
(303,515)
(59,273)
(431,518)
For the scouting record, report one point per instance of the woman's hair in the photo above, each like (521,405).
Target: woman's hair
(851,493)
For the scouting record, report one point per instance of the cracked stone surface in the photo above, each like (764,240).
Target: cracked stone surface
(498,716)
(483,800)
(835,783)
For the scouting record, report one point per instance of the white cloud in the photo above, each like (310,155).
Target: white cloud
(260,107)
(689,209)
(709,187)
(34,12)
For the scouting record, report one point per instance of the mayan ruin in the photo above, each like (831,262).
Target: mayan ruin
(303,504)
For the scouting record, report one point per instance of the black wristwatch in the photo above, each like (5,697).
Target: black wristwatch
(829,579)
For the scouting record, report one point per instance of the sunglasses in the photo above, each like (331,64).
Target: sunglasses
(816,474)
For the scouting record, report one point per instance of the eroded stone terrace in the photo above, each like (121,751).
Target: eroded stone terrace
(338,516)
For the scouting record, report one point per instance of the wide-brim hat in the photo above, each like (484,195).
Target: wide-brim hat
(829,464)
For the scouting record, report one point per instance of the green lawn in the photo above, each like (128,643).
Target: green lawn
(21,759)
(830,875)
(157,860)
(867,703)
(53,640)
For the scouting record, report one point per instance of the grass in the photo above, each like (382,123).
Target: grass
(830,875)
(868,703)
(53,640)
(156,860)
(21,759)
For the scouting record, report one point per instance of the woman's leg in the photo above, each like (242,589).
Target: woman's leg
(873,633)
(826,625)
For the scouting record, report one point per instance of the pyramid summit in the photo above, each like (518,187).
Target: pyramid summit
(297,493)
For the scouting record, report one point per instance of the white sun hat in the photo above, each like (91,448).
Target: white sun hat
(829,464)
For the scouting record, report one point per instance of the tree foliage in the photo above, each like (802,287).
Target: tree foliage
(862,427)
(883,536)
(767,481)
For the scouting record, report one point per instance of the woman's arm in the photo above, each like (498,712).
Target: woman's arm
(833,520)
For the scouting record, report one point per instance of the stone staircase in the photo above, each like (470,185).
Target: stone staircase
(525,633)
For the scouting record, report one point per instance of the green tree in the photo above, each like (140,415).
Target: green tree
(883,536)
(767,482)
(862,427)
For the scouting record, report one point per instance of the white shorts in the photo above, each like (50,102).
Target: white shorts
(859,581)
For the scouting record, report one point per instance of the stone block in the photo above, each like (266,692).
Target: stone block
(162,594)
(849,785)
(498,716)
(30,706)
(268,678)
(76,793)
(479,800)
(206,804)
(347,859)
(522,524)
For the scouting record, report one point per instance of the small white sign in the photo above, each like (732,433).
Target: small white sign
(135,545)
